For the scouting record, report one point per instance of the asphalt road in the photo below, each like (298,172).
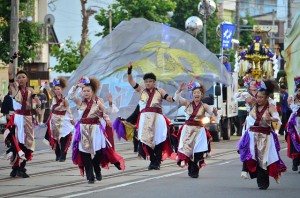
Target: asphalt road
(220,178)
(217,179)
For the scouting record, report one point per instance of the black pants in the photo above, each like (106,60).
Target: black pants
(156,153)
(12,148)
(91,165)
(296,161)
(284,119)
(262,178)
(61,150)
(135,141)
(245,169)
(193,168)
(240,124)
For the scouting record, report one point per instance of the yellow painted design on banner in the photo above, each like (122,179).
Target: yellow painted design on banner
(170,62)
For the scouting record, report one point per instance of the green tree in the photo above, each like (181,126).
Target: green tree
(187,8)
(246,37)
(153,10)
(69,56)
(30,36)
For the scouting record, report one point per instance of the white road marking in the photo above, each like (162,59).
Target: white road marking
(124,184)
(120,143)
(227,162)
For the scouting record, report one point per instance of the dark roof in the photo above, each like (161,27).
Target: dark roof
(264,14)
(52,35)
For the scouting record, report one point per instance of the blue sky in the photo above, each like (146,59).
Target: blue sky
(68,20)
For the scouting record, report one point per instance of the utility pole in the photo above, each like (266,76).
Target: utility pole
(110,20)
(221,10)
(289,14)
(14,32)
(237,19)
(204,22)
(272,34)
(85,21)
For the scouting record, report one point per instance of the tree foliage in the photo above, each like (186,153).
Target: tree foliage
(159,11)
(153,10)
(30,35)
(188,8)
(246,37)
(69,56)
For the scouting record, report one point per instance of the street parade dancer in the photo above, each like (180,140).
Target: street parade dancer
(126,129)
(60,124)
(105,118)
(249,96)
(259,146)
(193,136)
(91,147)
(293,128)
(19,132)
(152,125)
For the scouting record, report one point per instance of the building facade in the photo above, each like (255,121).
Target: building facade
(39,69)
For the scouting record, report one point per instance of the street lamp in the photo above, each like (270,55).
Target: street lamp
(193,25)
(206,8)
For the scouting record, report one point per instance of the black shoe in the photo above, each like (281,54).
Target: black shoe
(57,158)
(189,169)
(99,176)
(118,165)
(295,168)
(91,181)
(154,166)
(194,175)
(151,167)
(263,188)
(13,173)
(22,173)
(63,157)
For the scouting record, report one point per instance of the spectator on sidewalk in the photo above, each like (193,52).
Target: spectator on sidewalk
(7,106)
(43,99)
(285,109)
(226,63)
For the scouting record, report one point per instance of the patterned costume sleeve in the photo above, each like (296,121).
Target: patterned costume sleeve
(72,93)
(111,109)
(276,115)
(209,110)
(178,98)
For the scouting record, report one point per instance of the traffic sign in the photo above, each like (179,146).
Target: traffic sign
(267,28)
